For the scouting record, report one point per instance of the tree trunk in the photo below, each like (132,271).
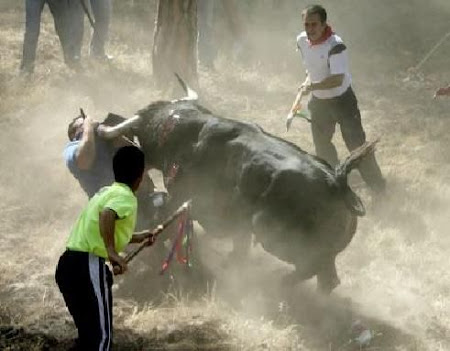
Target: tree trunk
(175,43)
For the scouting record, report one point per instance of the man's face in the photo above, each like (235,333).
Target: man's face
(314,28)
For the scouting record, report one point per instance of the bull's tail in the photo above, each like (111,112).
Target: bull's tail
(353,202)
(353,160)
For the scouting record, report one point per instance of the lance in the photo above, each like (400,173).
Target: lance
(293,112)
(153,234)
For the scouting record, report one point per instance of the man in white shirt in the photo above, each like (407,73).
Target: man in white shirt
(332,98)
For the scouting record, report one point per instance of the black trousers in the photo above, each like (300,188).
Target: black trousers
(85,283)
(325,113)
(61,15)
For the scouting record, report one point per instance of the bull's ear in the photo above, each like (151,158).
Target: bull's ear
(82,114)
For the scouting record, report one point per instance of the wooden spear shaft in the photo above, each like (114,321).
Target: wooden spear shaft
(294,108)
(154,233)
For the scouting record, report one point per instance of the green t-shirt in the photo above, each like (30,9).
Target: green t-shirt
(85,235)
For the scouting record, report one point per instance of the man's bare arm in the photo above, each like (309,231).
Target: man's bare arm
(107,229)
(86,151)
(330,82)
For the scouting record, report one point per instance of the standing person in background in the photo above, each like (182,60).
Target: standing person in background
(333,101)
(33,13)
(101,232)
(102,10)
(101,15)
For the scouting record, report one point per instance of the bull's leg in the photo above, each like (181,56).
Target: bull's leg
(300,274)
(327,278)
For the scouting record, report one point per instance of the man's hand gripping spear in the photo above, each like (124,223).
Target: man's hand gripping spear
(151,235)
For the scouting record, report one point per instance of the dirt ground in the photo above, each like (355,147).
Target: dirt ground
(395,276)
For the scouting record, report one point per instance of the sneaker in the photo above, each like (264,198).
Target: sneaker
(103,58)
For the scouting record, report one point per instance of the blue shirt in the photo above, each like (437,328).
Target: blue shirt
(101,172)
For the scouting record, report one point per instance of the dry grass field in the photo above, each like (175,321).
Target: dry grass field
(395,274)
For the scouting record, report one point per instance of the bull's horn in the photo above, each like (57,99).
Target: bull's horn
(191,94)
(107,132)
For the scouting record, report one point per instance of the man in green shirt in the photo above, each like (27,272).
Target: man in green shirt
(101,232)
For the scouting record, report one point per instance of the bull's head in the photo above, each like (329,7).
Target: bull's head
(111,132)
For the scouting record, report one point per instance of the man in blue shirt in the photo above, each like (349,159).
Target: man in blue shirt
(89,159)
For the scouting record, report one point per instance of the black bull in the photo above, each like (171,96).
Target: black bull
(243,180)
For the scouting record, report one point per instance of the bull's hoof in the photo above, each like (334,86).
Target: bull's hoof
(326,286)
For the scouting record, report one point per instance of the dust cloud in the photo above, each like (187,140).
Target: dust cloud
(394,274)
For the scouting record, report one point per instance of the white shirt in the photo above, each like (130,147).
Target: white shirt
(323,60)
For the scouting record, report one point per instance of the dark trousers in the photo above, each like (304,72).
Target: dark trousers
(85,283)
(33,12)
(325,113)
(101,11)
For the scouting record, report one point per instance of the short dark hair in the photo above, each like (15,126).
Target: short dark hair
(316,9)
(128,165)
